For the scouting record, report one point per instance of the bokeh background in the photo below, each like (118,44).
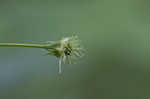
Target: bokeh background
(115,34)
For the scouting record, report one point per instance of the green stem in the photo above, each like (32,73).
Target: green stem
(45,46)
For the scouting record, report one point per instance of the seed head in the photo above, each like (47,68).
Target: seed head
(67,50)
(70,49)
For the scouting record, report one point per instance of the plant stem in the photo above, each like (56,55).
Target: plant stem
(45,46)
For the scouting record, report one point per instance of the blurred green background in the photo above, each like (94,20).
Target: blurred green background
(115,33)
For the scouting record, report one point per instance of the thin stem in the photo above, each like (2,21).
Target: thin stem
(59,70)
(46,46)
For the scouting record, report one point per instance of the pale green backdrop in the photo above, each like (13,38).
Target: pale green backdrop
(115,34)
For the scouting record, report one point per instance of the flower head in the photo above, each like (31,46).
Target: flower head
(70,49)
(67,50)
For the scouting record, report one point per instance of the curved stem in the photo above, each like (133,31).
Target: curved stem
(46,46)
